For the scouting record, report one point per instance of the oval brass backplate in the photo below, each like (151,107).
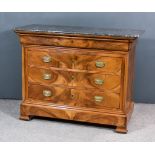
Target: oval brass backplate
(47,76)
(46,59)
(99,81)
(100,64)
(98,98)
(47,93)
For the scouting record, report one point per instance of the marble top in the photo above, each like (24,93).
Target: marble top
(77,30)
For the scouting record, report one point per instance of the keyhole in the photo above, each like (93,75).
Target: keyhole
(72,77)
(73,62)
(72,96)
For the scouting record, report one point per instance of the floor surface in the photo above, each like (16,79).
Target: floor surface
(141,127)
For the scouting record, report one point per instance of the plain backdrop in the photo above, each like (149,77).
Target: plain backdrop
(10,49)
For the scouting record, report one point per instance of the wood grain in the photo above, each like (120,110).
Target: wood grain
(72,114)
(30,110)
(74,97)
(57,77)
(75,79)
(82,42)
(69,58)
(111,83)
(75,93)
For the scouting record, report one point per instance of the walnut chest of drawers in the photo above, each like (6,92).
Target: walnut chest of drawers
(80,74)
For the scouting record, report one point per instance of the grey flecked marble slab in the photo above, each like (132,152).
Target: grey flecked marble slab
(79,30)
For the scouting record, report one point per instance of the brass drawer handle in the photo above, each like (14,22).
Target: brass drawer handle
(99,81)
(47,59)
(98,98)
(47,76)
(47,93)
(100,64)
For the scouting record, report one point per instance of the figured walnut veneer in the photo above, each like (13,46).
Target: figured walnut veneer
(88,78)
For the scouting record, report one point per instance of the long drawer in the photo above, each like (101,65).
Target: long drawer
(75,79)
(69,58)
(73,97)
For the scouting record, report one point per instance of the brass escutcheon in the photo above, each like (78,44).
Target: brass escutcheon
(72,77)
(72,96)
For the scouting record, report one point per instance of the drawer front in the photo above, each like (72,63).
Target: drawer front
(96,99)
(48,76)
(50,59)
(106,44)
(98,81)
(73,97)
(74,59)
(99,63)
(75,79)
(45,93)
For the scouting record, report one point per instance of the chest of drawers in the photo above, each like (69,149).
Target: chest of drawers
(80,74)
